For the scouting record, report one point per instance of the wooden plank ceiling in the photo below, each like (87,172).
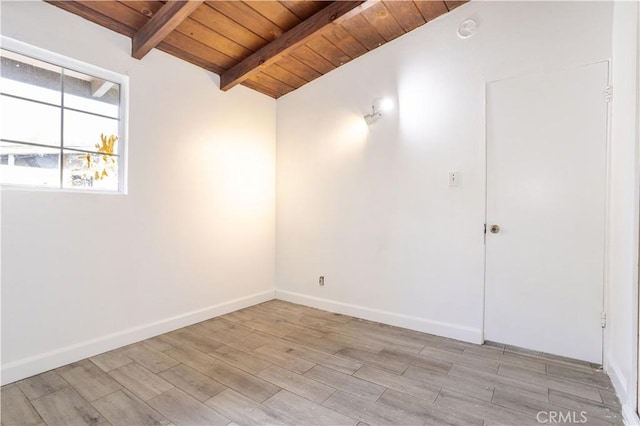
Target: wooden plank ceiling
(273,47)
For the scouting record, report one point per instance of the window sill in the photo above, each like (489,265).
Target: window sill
(25,188)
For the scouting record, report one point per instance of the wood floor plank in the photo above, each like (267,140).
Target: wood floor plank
(330,316)
(444,344)
(530,390)
(307,338)
(123,408)
(140,381)
(240,316)
(551,382)
(276,327)
(371,327)
(182,409)
(506,358)
(312,333)
(283,359)
(376,360)
(201,342)
(163,342)
(215,325)
(247,384)
(490,366)
(463,385)
(196,384)
(240,359)
(66,407)
(150,358)
(195,359)
(352,342)
(249,342)
(286,311)
(532,407)
(417,360)
(293,313)
(306,412)
(111,360)
(268,323)
(382,337)
(491,413)
(345,383)
(429,413)
(369,412)
(16,408)
(338,363)
(297,315)
(245,411)
(420,390)
(592,408)
(590,378)
(321,323)
(285,306)
(42,384)
(221,330)
(275,315)
(90,381)
(300,385)
(548,358)
(229,333)
(610,399)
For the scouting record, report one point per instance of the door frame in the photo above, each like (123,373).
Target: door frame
(636,307)
(636,331)
(607,206)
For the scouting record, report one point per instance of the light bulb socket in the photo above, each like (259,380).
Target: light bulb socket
(372,118)
(378,106)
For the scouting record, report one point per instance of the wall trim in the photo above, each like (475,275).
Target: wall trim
(37,364)
(629,416)
(425,325)
(620,384)
(617,378)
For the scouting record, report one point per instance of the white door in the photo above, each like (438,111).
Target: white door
(546,179)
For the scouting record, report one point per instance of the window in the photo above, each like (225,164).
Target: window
(62,122)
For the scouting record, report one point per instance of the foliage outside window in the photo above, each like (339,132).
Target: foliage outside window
(59,127)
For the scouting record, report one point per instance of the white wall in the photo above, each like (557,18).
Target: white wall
(370,208)
(621,354)
(193,238)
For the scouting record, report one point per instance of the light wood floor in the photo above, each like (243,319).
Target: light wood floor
(281,363)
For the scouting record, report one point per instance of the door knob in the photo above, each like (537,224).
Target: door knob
(494,229)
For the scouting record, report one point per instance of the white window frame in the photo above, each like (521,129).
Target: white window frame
(56,59)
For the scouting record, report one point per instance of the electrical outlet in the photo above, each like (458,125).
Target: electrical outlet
(321,281)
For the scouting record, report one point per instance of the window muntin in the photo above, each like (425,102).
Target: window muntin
(60,127)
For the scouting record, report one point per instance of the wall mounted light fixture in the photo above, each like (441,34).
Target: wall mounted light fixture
(378,106)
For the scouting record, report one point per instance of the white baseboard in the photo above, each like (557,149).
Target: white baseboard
(617,378)
(23,368)
(620,384)
(629,416)
(454,331)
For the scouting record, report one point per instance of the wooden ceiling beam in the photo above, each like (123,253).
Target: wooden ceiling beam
(160,25)
(336,12)
(93,16)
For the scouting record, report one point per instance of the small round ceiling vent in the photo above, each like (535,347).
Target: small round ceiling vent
(467,28)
